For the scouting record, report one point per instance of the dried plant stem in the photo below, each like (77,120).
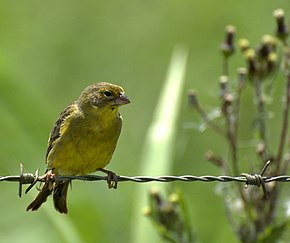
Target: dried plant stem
(226,66)
(231,134)
(284,129)
(258,84)
(240,87)
(210,123)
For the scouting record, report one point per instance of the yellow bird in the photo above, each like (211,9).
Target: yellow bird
(82,140)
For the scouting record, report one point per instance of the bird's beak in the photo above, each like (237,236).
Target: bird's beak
(122,100)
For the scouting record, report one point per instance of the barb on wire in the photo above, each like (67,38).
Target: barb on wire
(258,180)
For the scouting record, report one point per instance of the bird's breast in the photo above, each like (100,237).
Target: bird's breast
(85,146)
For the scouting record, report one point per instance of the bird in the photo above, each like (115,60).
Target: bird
(82,141)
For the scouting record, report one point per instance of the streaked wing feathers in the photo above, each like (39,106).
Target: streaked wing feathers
(72,109)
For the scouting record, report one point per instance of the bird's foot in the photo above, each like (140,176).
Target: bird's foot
(112,178)
(48,178)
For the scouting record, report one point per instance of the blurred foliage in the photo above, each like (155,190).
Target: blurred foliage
(158,148)
(170,217)
(50,51)
(252,215)
(256,216)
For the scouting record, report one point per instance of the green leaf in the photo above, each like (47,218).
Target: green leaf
(157,156)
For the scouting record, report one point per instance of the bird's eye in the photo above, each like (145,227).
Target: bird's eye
(107,93)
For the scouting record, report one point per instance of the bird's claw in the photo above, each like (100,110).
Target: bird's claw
(47,177)
(112,178)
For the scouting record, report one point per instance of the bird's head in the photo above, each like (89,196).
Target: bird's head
(104,96)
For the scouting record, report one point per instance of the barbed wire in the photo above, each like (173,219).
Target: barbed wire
(248,179)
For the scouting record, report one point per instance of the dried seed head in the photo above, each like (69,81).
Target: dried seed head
(224,80)
(227,46)
(270,41)
(155,196)
(272,57)
(272,61)
(210,156)
(278,13)
(146,211)
(268,45)
(174,198)
(244,44)
(154,191)
(242,72)
(282,29)
(229,98)
(262,51)
(167,209)
(251,61)
(250,54)
(261,148)
(192,98)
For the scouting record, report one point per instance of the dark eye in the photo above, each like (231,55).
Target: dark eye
(107,93)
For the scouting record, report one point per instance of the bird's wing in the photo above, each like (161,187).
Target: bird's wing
(71,111)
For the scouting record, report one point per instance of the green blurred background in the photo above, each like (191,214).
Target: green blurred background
(51,50)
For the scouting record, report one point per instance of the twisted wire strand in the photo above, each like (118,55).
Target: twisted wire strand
(28,178)
(248,179)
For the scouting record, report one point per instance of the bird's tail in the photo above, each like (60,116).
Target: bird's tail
(59,196)
(41,197)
